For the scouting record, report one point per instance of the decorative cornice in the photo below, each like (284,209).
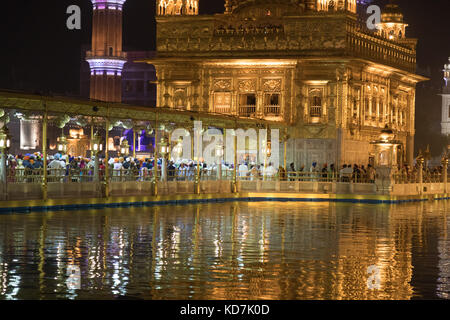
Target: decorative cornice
(110,66)
(108,4)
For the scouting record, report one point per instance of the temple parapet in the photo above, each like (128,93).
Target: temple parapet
(317,34)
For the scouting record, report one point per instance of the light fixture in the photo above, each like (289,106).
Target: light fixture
(386,134)
(5,141)
(163,147)
(62,144)
(268,149)
(124,148)
(219,150)
(97,145)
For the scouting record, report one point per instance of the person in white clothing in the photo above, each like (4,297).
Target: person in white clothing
(57,169)
(243,170)
(20,171)
(270,171)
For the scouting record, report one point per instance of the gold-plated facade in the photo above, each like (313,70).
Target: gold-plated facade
(177,7)
(310,65)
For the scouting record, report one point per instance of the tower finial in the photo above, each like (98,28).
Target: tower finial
(227,6)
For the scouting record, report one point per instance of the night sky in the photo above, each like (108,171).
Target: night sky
(40,54)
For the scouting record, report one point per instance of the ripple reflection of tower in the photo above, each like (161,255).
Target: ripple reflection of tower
(106,58)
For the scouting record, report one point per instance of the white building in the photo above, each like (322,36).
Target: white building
(445,124)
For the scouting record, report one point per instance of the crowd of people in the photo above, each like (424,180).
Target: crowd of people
(141,169)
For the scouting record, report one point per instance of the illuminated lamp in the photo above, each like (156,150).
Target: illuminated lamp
(124,148)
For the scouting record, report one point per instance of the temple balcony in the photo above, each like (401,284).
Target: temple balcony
(247,111)
(225,109)
(272,110)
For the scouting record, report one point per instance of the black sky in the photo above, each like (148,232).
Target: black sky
(40,54)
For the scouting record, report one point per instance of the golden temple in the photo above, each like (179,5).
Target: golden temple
(312,65)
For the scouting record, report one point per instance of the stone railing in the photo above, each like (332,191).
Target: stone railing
(420,183)
(222,109)
(367,44)
(315,111)
(247,111)
(26,184)
(414,177)
(272,110)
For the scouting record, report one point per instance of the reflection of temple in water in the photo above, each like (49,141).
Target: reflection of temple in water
(444,261)
(221,251)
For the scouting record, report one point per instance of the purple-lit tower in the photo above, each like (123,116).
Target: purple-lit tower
(106,58)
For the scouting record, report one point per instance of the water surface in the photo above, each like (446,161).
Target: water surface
(263,250)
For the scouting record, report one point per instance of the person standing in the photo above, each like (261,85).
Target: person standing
(243,170)
(325,172)
(171,171)
(270,171)
(291,173)
(371,173)
(313,171)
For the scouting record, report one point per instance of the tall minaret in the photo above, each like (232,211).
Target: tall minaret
(446,100)
(106,57)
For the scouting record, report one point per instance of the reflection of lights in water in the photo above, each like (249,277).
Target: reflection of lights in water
(443,286)
(59,255)
(218,247)
(115,277)
(14,282)
(120,272)
(59,262)
(94,262)
(242,243)
(167,251)
(3,277)
(175,239)
(159,257)
(331,254)
(262,242)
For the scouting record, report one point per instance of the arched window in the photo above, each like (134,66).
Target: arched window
(180,98)
(391,34)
